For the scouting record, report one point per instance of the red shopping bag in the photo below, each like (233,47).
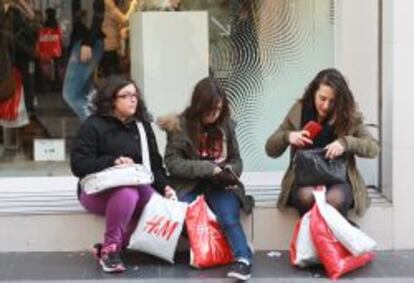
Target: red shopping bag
(333,255)
(9,109)
(208,244)
(49,43)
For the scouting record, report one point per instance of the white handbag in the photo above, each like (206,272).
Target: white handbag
(123,175)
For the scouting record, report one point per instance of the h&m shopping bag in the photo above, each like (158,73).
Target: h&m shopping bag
(159,227)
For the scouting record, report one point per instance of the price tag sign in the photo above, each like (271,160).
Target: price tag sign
(49,149)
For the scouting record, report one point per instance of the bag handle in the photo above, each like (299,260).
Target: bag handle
(144,146)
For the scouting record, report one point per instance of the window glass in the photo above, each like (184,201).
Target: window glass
(264,52)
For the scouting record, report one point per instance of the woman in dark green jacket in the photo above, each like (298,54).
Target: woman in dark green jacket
(201,148)
(328,101)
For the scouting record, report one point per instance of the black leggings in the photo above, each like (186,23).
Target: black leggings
(339,196)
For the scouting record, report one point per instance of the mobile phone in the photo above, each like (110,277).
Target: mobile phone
(313,128)
(239,183)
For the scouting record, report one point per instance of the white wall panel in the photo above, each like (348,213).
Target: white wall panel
(169,55)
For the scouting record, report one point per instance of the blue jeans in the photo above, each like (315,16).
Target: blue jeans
(226,207)
(78,78)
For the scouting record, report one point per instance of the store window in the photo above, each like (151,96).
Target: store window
(264,52)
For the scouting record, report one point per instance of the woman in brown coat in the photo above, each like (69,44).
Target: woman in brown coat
(328,101)
(202,147)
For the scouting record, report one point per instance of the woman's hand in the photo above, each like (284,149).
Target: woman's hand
(217,170)
(334,149)
(300,138)
(85,54)
(133,5)
(123,160)
(169,193)
(124,32)
(174,3)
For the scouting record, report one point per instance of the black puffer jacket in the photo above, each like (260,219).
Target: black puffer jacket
(101,140)
(88,35)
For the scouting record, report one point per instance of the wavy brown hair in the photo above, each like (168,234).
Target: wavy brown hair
(205,97)
(344,109)
(103,102)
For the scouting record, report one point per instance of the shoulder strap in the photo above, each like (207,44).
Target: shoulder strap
(144,146)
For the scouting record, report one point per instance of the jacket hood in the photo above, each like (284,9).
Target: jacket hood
(170,123)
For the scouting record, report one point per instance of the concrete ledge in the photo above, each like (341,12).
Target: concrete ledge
(266,228)
(51,219)
(72,232)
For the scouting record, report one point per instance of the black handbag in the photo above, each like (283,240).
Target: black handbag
(312,168)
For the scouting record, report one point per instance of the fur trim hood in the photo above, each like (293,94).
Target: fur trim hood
(170,123)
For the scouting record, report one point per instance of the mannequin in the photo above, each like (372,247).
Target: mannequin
(114,25)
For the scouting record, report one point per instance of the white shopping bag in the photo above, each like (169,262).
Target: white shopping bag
(353,239)
(159,227)
(302,249)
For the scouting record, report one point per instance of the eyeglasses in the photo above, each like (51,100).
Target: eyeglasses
(127,96)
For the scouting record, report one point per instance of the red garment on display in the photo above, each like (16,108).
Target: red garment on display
(49,43)
(9,109)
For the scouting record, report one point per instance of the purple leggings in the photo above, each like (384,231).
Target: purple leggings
(122,207)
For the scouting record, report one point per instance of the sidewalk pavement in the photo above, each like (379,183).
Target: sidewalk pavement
(389,266)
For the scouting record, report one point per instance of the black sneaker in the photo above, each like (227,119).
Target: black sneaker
(110,259)
(240,270)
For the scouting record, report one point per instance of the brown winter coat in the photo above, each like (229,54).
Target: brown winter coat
(358,141)
(182,159)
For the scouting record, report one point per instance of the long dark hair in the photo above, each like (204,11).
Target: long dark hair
(344,109)
(206,96)
(103,102)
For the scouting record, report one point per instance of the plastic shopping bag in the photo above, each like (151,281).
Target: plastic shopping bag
(208,244)
(353,239)
(335,258)
(302,250)
(159,227)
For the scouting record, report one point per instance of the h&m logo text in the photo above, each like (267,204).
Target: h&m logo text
(161,226)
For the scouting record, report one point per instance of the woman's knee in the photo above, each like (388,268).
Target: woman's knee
(303,198)
(228,220)
(229,215)
(125,195)
(338,198)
